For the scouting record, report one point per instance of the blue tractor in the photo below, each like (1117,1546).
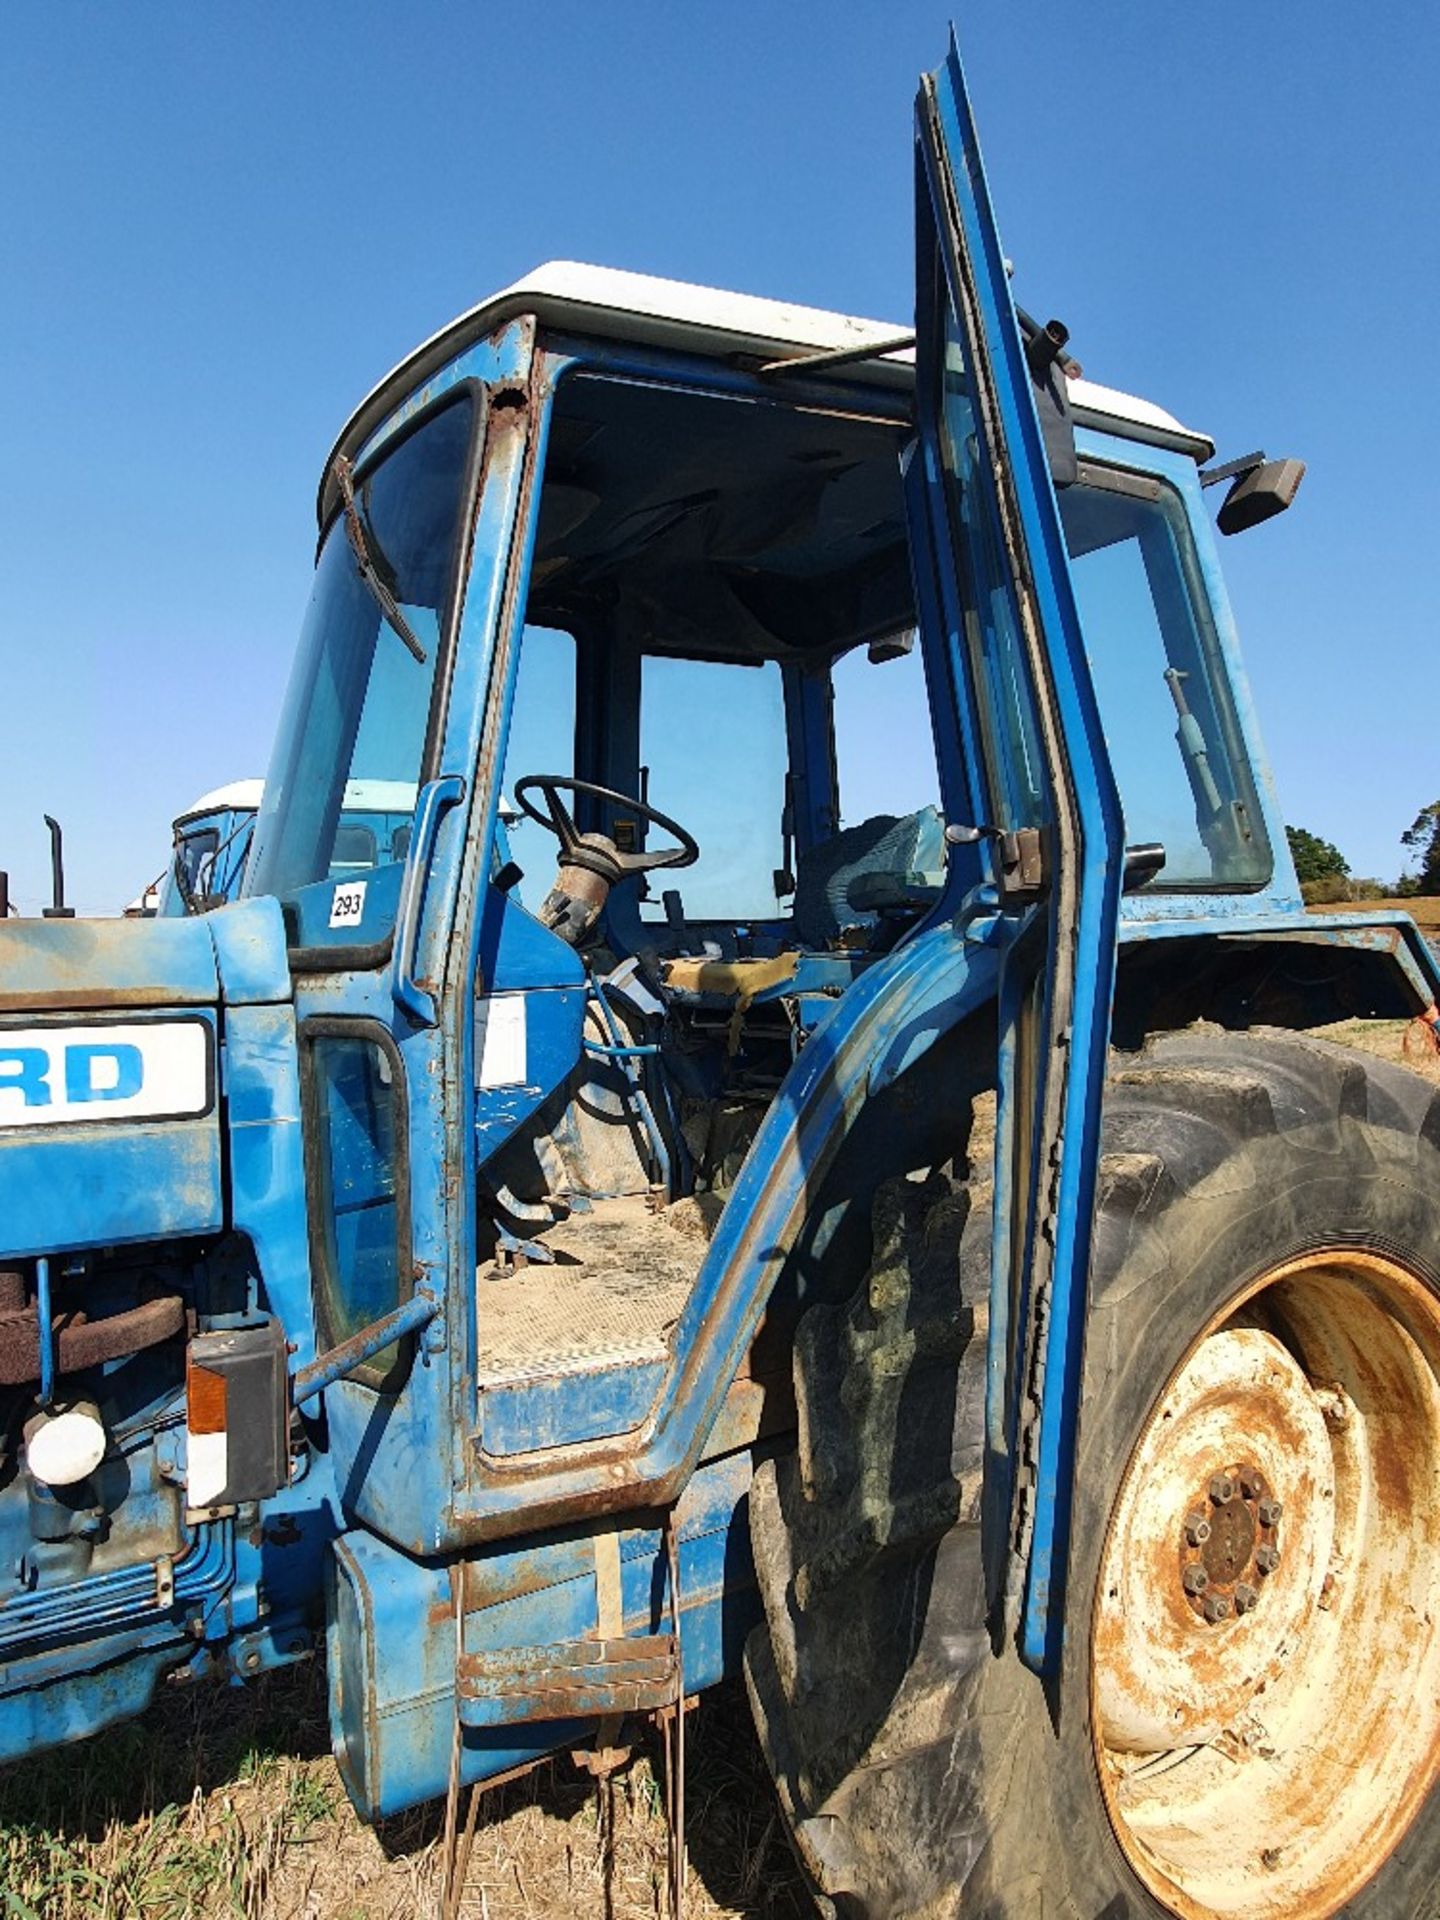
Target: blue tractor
(211,840)
(850,1191)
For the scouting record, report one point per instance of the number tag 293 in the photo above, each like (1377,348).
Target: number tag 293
(347,907)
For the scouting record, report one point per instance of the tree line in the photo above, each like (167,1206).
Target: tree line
(1324,872)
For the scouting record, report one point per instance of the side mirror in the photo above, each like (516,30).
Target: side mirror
(1261,489)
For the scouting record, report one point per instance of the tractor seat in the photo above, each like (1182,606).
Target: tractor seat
(752,981)
(844,888)
(846,882)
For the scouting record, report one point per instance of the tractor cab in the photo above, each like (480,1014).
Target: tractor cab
(688,671)
(720,748)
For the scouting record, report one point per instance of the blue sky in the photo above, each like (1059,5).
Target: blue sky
(220,225)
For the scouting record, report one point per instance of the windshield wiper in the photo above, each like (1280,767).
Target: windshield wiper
(375,580)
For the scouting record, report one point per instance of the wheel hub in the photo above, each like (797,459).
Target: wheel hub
(1229,1543)
(1187,1641)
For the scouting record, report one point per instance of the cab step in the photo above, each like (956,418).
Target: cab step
(568,1680)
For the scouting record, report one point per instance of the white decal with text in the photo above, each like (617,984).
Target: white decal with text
(347,908)
(500,1039)
(133,1070)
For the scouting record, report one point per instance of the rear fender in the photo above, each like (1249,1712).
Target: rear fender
(1285,969)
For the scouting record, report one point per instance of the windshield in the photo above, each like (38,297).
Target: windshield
(1007,718)
(1175,746)
(349,757)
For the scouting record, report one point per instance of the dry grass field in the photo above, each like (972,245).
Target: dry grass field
(1423,909)
(227,1803)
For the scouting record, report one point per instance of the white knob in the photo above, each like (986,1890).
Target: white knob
(63,1448)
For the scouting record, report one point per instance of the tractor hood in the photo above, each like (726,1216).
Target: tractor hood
(69,965)
(110,1126)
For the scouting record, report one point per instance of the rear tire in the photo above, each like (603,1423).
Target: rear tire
(1266,1257)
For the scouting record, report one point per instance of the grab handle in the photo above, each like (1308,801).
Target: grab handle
(435,800)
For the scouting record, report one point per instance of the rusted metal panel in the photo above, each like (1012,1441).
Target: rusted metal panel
(249,941)
(81,1342)
(106,1186)
(47,965)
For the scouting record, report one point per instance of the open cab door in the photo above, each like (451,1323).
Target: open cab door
(1046,833)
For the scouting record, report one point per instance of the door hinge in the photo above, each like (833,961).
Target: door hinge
(1023,866)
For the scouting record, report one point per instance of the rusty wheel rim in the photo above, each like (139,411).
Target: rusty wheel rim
(1265,1651)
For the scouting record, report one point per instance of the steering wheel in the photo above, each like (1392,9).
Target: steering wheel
(597,851)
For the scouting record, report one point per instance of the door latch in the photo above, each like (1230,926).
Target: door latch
(1019,855)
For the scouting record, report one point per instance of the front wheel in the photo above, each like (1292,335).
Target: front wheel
(1248,1715)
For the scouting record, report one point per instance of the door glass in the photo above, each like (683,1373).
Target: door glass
(357,1220)
(999,553)
(1006,715)
(1180,765)
(712,734)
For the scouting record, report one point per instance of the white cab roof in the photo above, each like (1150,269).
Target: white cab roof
(708,321)
(238,796)
(361,796)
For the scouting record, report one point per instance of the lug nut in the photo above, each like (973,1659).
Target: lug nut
(1222,1488)
(1267,1559)
(1197,1529)
(1195,1580)
(1217,1608)
(1268,1513)
(1251,1484)
(1245,1598)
